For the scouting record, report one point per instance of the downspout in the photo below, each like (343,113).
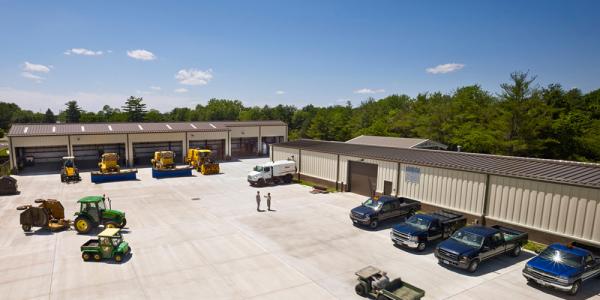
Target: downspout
(259,152)
(13,156)
(127,148)
(69,150)
(299,163)
(337,176)
(398,180)
(486,199)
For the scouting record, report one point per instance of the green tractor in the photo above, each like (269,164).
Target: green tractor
(109,244)
(93,213)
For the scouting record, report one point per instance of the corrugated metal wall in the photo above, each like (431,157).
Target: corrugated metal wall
(557,208)
(386,171)
(457,190)
(280,153)
(319,165)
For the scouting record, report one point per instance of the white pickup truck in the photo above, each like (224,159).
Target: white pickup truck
(281,171)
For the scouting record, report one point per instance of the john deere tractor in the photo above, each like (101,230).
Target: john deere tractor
(201,160)
(109,163)
(93,212)
(69,171)
(163,160)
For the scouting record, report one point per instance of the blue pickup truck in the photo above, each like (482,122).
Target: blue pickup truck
(376,210)
(419,230)
(564,267)
(471,245)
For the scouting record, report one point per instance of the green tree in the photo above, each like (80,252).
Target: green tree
(49,117)
(223,110)
(153,116)
(7,110)
(134,109)
(73,112)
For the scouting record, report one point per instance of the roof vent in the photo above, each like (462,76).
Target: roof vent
(53,129)
(140,127)
(26,129)
(109,127)
(168,126)
(82,128)
(193,126)
(211,125)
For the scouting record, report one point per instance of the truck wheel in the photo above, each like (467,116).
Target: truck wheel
(97,257)
(374,224)
(473,266)
(382,297)
(361,289)
(118,257)
(288,178)
(516,251)
(421,247)
(261,182)
(85,256)
(82,225)
(26,227)
(575,288)
(111,224)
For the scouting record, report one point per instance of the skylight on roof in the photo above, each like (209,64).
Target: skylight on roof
(193,126)
(211,125)
(82,128)
(110,128)
(53,129)
(26,129)
(168,126)
(140,127)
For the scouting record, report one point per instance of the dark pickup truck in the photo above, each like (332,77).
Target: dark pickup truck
(373,211)
(564,267)
(417,231)
(471,245)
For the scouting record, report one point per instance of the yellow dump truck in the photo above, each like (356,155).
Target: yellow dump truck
(201,160)
(109,163)
(163,160)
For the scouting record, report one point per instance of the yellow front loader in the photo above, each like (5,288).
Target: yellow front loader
(163,160)
(200,159)
(109,163)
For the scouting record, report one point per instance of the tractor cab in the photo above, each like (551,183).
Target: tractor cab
(69,171)
(93,212)
(109,162)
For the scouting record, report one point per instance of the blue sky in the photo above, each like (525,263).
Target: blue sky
(289,52)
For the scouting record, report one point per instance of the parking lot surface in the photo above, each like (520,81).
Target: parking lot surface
(201,237)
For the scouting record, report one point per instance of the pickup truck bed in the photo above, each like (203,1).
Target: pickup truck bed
(446,216)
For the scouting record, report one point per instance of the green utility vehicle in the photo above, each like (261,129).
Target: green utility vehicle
(395,290)
(93,213)
(109,244)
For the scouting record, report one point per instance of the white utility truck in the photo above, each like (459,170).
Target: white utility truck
(281,171)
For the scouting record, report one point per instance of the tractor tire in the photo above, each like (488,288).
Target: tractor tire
(111,224)
(82,225)
(123,223)
(361,289)
(118,257)
(26,227)
(97,257)
(86,256)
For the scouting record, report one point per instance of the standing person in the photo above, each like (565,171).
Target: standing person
(268,196)
(258,201)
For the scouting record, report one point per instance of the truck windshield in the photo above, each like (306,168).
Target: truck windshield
(258,169)
(468,238)
(561,257)
(418,222)
(372,204)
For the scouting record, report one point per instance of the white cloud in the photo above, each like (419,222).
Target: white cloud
(33,77)
(180,90)
(369,91)
(445,68)
(83,51)
(141,54)
(155,88)
(29,67)
(194,76)
(280,92)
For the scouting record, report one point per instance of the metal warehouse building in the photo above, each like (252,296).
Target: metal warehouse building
(42,146)
(552,200)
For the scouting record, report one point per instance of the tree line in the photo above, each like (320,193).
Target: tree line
(522,119)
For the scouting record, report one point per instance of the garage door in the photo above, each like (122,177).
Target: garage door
(363,178)
(241,147)
(216,146)
(88,156)
(41,158)
(144,152)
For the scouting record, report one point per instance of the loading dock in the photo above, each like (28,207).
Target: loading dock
(362,178)
(88,156)
(216,146)
(144,152)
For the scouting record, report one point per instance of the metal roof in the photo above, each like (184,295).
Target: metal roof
(396,142)
(558,171)
(120,128)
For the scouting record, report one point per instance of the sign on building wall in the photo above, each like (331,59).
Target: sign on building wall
(413,174)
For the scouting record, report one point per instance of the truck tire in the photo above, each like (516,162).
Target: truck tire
(516,251)
(575,288)
(82,225)
(288,178)
(361,289)
(421,247)
(473,266)
(261,182)
(374,224)
(26,227)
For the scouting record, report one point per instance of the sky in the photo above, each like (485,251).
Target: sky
(180,54)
